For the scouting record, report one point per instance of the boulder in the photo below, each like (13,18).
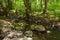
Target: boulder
(5,27)
(8,33)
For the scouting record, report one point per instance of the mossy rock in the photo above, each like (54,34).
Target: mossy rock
(28,32)
(40,27)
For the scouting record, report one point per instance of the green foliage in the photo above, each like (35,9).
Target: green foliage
(20,26)
(53,10)
(36,10)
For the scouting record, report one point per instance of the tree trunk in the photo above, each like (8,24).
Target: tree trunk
(27,4)
(37,3)
(9,4)
(41,4)
(9,7)
(46,6)
(27,7)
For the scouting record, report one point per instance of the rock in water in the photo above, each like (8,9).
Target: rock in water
(5,27)
(27,38)
(48,31)
(11,34)
(40,28)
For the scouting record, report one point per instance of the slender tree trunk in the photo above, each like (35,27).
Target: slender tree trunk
(27,4)
(9,4)
(41,4)
(37,3)
(46,6)
(1,9)
(9,7)
(27,7)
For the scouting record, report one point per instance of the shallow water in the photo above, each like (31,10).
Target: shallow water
(54,35)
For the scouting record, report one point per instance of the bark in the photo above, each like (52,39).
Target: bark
(9,4)
(41,4)
(37,3)
(46,6)
(27,4)
(27,7)
(8,8)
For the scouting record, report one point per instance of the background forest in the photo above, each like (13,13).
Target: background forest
(38,16)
